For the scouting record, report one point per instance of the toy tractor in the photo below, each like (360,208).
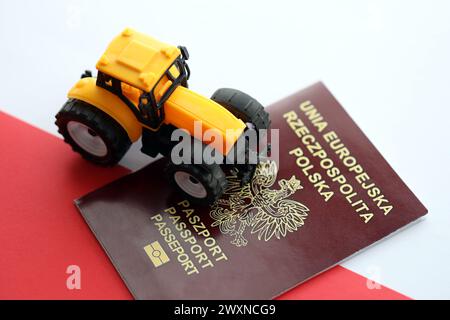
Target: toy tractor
(141,91)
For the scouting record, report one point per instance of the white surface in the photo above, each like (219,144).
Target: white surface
(386,61)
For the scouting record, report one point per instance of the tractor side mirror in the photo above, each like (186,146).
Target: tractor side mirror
(184,52)
(86,74)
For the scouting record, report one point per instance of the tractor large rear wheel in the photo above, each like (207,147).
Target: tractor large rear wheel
(92,133)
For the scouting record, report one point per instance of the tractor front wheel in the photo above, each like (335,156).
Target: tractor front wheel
(92,133)
(201,184)
(250,111)
(243,106)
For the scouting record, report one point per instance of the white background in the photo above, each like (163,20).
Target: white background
(386,61)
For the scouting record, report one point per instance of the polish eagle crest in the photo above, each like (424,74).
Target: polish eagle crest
(257,208)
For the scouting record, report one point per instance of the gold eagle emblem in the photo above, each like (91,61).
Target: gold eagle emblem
(264,211)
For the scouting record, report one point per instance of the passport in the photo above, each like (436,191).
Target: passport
(327,196)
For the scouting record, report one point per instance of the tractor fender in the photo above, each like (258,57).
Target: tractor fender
(87,90)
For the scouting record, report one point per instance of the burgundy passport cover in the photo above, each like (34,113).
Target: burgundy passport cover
(330,195)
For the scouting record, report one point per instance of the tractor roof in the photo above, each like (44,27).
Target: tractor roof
(137,59)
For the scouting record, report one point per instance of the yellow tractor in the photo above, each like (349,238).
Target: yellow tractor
(141,91)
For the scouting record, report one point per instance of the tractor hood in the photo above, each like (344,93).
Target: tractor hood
(184,107)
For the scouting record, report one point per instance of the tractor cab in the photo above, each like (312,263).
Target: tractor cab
(143,72)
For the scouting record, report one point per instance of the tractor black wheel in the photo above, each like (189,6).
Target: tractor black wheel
(243,106)
(92,133)
(249,110)
(201,184)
